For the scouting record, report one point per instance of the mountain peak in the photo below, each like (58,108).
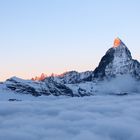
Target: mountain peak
(117,42)
(116,61)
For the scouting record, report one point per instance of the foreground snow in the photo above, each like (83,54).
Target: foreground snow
(63,118)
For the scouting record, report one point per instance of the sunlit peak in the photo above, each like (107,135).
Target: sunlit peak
(117,42)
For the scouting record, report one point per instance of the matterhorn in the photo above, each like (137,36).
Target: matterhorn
(117,61)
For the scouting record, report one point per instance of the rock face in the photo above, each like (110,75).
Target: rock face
(54,88)
(116,62)
(21,86)
(48,87)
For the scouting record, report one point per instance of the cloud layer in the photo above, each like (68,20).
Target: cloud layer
(91,118)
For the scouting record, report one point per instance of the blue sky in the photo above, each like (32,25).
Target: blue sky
(60,35)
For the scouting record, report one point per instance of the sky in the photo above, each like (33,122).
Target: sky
(54,36)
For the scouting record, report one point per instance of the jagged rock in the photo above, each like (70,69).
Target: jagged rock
(21,86)
(74,77)
(57,88)
(11,100)
(37,88)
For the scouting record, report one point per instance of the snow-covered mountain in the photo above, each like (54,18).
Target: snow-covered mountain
(37,88)
(115,69)
(117,61)
(73,77)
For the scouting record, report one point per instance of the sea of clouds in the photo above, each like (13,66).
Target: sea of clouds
(120,84)
(63,118)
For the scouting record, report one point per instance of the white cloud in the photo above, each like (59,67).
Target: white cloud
(120,84)
(61,118)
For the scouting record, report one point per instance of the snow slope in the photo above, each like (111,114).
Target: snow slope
(65,118)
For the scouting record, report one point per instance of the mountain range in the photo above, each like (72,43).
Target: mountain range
(117,73)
